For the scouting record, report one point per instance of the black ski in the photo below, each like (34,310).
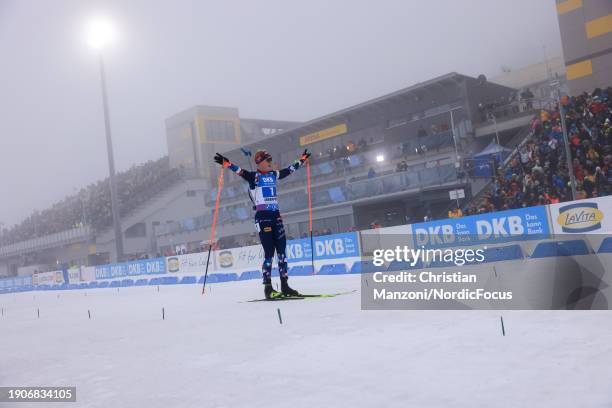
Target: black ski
(276,299)
(301,297)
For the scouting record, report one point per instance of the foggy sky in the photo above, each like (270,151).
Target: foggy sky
(290,60)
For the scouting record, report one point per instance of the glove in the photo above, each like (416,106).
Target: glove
(305,156)
(222,160)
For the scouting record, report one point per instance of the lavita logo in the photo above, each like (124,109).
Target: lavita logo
(580,217)
(226,259)
(174,265)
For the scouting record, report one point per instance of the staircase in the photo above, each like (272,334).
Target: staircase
(481,186)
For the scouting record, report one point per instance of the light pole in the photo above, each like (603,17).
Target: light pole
(457,163)
(494,119)
(101,32)
(568,153)
(453,131)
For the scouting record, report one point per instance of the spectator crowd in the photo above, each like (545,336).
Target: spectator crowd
(538,173)
(92,204)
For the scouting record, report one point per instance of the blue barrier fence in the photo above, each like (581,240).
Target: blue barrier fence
(508,228)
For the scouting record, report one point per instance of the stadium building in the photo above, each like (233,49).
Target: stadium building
(388,161)
(586,35)
(538,81)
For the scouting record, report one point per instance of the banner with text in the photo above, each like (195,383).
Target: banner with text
(48,278)
(189,263)
(15,282)
(504,226)
(345,245)
(592,216)
(133,268)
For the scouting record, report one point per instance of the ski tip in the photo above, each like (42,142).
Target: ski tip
(325,295)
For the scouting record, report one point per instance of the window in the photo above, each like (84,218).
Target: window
(331,225)
(191,193)
(345,222)
(220,130)
(293,231)
(136,231)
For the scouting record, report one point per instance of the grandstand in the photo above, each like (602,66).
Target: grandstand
(536,173)
(78,229)
(387,161)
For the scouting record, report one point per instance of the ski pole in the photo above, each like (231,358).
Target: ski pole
(212,229)
(310,214)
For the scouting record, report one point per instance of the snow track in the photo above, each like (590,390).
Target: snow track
(212,351)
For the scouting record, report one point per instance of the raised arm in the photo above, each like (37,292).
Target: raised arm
(249,176)
(282,173)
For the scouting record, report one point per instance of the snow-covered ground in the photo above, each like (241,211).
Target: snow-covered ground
(213,351)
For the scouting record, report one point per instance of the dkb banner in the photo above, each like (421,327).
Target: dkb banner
(134,268)
(335,246)
(504,226)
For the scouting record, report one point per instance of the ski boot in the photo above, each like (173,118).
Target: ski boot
(270,292)
(286,290)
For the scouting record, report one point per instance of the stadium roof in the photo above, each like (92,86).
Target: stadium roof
(332,118)
(532,74)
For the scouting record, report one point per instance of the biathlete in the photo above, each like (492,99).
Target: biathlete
(268,221)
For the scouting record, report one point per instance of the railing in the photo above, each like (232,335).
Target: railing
(414,178)
(516,108)
(48,241)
